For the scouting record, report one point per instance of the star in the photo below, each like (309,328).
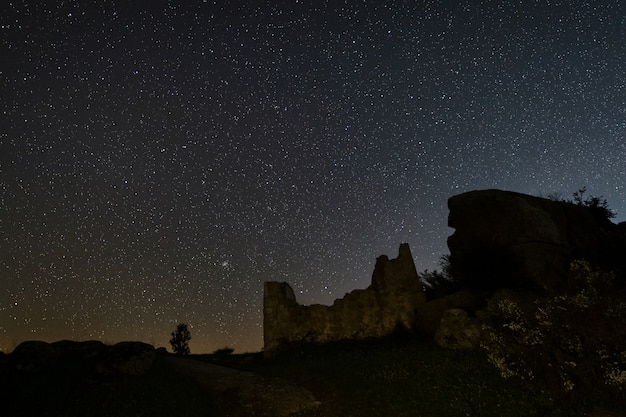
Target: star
(159,162)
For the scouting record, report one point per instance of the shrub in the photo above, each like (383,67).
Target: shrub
(224,351)
(598,206)
(573,343)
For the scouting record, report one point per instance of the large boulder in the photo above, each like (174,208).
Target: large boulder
(34,356)
(85,352)
(127,358)
(510,240)
(429,315)
(457,330)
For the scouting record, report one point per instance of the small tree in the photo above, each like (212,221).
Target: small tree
(440,283)
(598,206)
(180,340)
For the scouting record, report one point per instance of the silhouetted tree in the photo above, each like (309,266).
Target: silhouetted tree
(440,283)
(180,340)
(598,206)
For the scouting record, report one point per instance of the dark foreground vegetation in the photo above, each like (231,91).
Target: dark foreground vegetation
(407,377)
(75,392)
(401,376)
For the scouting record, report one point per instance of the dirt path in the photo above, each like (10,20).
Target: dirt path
(244,394)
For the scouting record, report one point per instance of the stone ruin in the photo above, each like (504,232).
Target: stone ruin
(389,303)
(502,240)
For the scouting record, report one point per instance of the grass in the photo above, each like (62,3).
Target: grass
(401,378)
(383,377)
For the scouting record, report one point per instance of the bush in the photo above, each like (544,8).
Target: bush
(573,343)
(224,351)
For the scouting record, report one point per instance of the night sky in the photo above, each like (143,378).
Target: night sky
(160,160)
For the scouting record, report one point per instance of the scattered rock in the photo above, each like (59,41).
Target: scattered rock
(88,351)
(428,315)
(127,358)
(458,330)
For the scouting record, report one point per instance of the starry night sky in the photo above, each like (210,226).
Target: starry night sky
(160,160)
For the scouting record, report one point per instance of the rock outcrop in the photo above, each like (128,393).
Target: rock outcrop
(387,304)
(34,356)
(510,240)
(429,314)
(457,330)
(124,358)
(502,240)
(127,358)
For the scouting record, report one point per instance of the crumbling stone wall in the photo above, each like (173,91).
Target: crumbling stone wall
(389,302)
